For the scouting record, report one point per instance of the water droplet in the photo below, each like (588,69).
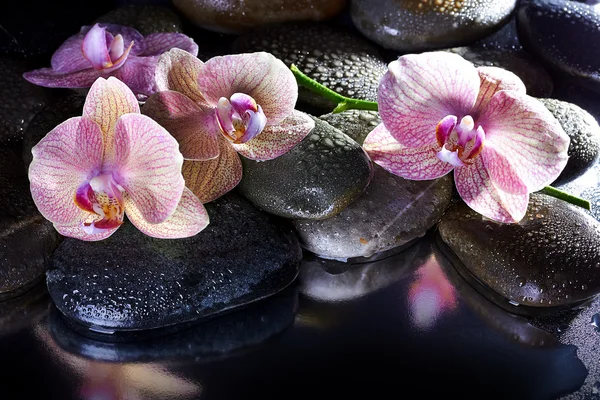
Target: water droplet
(595,322)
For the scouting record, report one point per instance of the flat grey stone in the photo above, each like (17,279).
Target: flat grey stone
(355,123)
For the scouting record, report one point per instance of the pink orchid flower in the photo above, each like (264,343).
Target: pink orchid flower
(439,113)
(234,104)
(109,50)
(89,171)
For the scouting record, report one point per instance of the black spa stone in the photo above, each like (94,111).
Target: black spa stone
(337,58)
(26,238)
(146,18)
(355,123)
(134,282)
(550,259)
(564,35)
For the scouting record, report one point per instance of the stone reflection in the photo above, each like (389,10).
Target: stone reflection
(430,296)
(22,311)
(218,338)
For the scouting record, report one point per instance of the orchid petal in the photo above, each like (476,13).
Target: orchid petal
(107,100)
(148,166)
(410,163)
(95,48)
(276,140)
(475,187)
(260,75)
(138,74)
(493,80)
(53,79)
(189,218)
(77,230)
(522,130)
(178,70)
(119,62)
(116,48)
(129,35)
(209,180)
(67,157)
(256,124)
(69,57)
(195,129)
(157,43)
(418,91)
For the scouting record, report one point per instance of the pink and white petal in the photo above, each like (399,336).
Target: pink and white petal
(75,228)
(209,180)
(527,135)
(276,140)
(189,218)
(410,163)
(259,75)
(49,78)
(157,43)
(179,70)
(147,165)
(475,187)
(195,128)
(493,80)
(138,74)
(69,57)
(67,157)
(107,100)
(420,89)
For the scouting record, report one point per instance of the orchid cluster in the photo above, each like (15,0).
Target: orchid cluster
(159,164)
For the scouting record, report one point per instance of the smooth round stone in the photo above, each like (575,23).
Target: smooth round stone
(535,77)
(23,311)
(26,238)
(355,123)
(584,132)
(392,212)
(409,25)
(317,179)
(550,259)
(21,100)
(145,18)
(47,119)
(564,35)
(568,91)
(334,57)
(131,281)
(236,16)
(506,38)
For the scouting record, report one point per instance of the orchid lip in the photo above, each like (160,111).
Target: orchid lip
(460,143)
(102,54)
(103,197)
(240,118)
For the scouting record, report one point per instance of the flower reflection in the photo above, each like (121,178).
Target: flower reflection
(120,381)
(430,296)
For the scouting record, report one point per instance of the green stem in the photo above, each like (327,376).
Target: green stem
(343,103)
(569,198)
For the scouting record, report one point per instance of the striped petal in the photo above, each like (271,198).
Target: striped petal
(69,57)
(410,163)
(107,100)
(75,228)
(138,74)
(259,75)
(493,80)
(178,70)
(148,166)
(276,140)
(157,43)
(209,180)
(195,128)
(420,89)
(47,77)
(475,187)
(521,130)
(189,218)
(67,157)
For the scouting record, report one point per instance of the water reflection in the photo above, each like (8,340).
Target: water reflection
(226,336)
(24,310)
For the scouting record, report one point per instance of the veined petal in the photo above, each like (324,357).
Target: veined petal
(476,188)
(178,70)
(148,166)
(276,140)
(107,100)
(138,74)
(209,180)
(493,80)
(410,163)
(69,57)
(67,157)
(419,90)
(157,43)
(195,128)
(95,48)
(521,130)
(260,75)
(76,230)
(189,218)
(49,78)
